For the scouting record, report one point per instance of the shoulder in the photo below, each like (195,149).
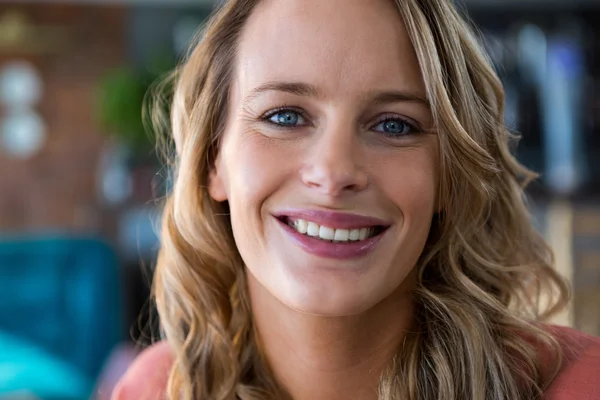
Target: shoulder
(579,377)
(146,378)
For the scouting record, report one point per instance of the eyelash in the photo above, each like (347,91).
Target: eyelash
(414,128)
(270,114)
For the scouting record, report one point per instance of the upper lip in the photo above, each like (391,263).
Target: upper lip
(333,219)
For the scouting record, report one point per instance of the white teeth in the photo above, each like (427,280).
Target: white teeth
(326,233)
(342,235)
(364,232)
(301,226)
(313,229)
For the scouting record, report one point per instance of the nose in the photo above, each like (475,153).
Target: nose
(333,165)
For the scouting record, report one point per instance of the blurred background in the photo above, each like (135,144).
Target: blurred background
(79,180)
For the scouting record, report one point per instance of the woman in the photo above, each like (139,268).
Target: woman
(347,221)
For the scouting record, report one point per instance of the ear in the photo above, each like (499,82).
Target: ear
(216,184)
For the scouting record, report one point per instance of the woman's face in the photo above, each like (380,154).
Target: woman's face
(328,162)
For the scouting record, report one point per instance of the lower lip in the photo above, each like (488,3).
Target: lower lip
(340,251)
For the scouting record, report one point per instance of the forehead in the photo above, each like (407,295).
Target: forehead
(340,45)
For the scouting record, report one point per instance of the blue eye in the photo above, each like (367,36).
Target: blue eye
(287,118)
(395,127)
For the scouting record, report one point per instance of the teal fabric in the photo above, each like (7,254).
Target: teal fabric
(60,307)
(26,368)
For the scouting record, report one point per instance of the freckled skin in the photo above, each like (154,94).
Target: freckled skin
(336,163)
(334,69)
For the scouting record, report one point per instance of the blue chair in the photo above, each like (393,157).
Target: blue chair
(60,314)
(27,368)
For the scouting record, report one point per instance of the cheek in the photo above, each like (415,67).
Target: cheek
(410,181)
(258,169)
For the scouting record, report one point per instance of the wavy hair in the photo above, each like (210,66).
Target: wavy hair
(485,278)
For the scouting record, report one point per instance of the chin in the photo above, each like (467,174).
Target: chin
(328,288)
(328,301)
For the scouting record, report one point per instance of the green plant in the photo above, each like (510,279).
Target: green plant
(120,100)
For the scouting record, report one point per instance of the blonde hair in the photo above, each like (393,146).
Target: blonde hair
(481,276)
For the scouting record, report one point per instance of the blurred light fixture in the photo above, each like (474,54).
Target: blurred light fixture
(22,130)
(20,85)
(22,134)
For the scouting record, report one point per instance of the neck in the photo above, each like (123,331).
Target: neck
(315,357)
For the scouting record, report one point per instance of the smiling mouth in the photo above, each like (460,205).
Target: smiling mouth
(331,234)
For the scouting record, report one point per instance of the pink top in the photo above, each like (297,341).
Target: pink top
(579,378)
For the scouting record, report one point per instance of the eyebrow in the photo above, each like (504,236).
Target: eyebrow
(297,88)
(397,96)
(307,90)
